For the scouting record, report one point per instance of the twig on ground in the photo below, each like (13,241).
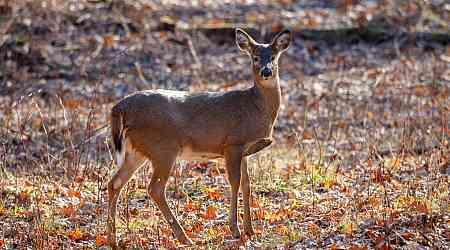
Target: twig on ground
(145,84)
(94,134)
(198,63)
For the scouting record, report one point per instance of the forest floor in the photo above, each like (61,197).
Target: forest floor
(362,155)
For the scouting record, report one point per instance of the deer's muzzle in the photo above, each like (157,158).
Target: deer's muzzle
(266,71)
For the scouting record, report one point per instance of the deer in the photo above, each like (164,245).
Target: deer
(162,126)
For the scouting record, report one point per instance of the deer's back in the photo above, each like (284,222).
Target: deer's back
(203,122)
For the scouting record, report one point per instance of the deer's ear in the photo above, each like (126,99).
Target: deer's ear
(282,40)
(243,40)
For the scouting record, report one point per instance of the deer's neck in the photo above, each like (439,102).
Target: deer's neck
(269,94)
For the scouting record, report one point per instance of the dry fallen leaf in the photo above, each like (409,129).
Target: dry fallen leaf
(72,104)
(73,193)
(282,229)
(190,206)
(24,196)
(313,229)
(408,235)
(197,228)
(110,40)
(76,234)
(211,213)
(357,248)
(79,179)
(307,135)
(214,194)
(100,240)
(68,210)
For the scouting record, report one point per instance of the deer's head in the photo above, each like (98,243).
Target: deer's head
(264,56)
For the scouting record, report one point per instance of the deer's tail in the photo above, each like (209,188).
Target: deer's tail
(117,135)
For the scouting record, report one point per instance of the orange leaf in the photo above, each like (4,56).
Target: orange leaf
(71,104)
(254,203)
(211,213)
(421,90)
(313,229)
(23,196)
(26,214)
(2,243)
(213,194)
(282,229)
(374,201)
(76,234)
(307,135)
(261,214)
(190,206)
(73,193)
(357,248)
(110,40)
(198,228)
(100,240)
(68,211)
(79,179)
(407,235)
(342,124)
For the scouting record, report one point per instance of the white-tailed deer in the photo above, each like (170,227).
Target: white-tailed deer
(163,125)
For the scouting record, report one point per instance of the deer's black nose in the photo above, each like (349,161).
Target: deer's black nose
(266,72)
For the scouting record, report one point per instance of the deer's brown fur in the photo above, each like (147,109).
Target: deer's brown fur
(163,125)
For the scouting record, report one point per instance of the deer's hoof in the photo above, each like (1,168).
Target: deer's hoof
(236,234)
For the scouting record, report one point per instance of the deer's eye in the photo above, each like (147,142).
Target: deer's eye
(272,58)
(256,59)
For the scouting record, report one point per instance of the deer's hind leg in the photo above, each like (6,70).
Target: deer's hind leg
(129,164)
(162,163)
